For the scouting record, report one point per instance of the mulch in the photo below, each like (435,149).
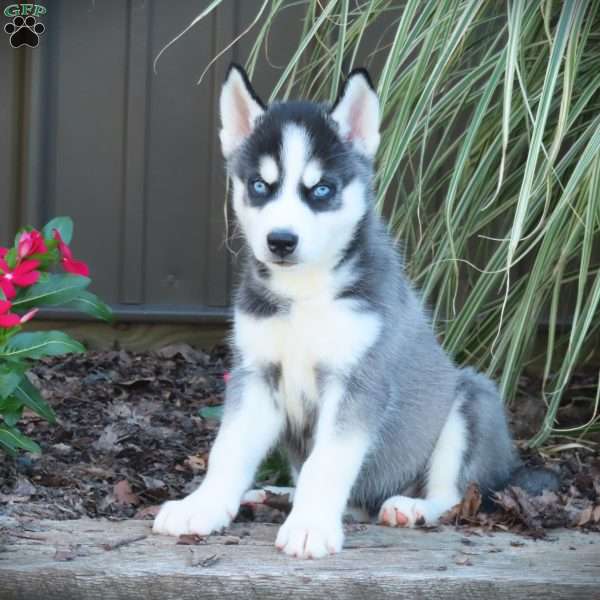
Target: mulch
(135,429)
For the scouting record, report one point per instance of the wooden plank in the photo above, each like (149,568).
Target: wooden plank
(138,337)
(67,560)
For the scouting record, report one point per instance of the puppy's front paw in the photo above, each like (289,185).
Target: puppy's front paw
(192,515)
(310,537)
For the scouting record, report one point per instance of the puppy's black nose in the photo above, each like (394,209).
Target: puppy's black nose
(282,242)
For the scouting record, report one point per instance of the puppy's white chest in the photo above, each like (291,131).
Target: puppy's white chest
(316,335)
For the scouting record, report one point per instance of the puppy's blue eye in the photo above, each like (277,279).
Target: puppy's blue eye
(259,187)
(322,191)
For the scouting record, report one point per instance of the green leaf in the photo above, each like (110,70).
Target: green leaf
(64,226)
(276,468)
(11,410)
(8,443)
(10,375)
(29,396)
(11,438)
(90,304)
(212,413)
(38,344)
(11,258)
(54,290)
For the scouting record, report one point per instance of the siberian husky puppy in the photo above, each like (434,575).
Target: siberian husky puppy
(334,355)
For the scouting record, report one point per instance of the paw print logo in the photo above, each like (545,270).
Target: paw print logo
(24,31)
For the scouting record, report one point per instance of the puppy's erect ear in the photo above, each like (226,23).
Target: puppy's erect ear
(356,111)
(239,107)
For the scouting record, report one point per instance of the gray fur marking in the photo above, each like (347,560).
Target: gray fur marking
(299,442)
(253,295)
(272,375)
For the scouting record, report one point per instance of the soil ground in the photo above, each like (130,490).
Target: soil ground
(135,429)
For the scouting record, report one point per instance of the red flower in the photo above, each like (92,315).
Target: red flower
(78,267)
(30,242)
(3,252)
(8,319)
(23,275)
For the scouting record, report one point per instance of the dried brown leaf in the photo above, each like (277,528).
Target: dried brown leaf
(230,540)
(190,540)
(466,509)
(123,494)
(585,516)
(279,501)
(147,511)
(196,462)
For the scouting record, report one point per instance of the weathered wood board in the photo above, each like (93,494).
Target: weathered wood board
(67,560)
(138,337)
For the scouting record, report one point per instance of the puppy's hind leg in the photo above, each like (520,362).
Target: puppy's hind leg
(442,490)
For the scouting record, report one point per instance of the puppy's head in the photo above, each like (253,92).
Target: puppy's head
(300,170)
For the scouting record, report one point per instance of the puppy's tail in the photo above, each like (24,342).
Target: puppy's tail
(534,480)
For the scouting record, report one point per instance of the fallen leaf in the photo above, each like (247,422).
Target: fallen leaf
(190,540)
(62,448)
(107,442)
(585,517)
(279,501)
(466,509)
(230,540)
(152,483)
(471,502)
(195,462)
(520,505)
(147,511)
(123,494)
(24,487)
(183,350)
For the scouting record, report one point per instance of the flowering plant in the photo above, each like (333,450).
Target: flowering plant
(27,282)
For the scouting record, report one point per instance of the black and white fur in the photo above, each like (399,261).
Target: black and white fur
(334,353)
